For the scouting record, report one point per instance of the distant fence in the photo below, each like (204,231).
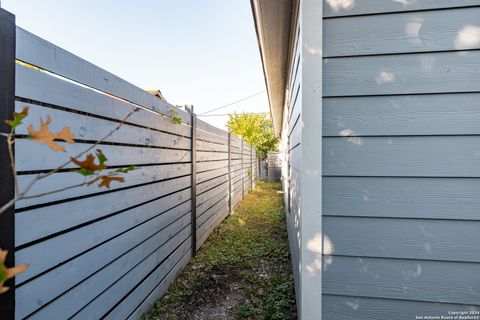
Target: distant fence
(274,166)
(107,253)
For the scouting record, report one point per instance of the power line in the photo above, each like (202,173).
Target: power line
(232,103)
(227,114)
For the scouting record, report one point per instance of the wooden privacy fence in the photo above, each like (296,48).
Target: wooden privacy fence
(106,253)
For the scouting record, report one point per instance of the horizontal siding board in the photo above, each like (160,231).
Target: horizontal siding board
(47,254)
(94,129)
(441,198)
(401,33)
(402,74)
(347,308)
(455,156)
(419,280)
(39,86)
(296,103)
(437,114)
(404,238)
(41,222)
(33,156)
(295,157)
(334,8)
(99,283)
(295,133)
(62,180)
(41,53)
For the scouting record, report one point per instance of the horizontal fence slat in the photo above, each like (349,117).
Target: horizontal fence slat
(161,288)
(204,186)
(211,165)
(214,220)
(209,156)
(32,156)
(37,223)
(63,180)
(130,303)
(454,156)
(334,8)
(209,146)
(212,138)
(49,253)
(95,271)
(207,127)
(208,175)
(207,195)
(436,114)
(420,280)
(448,198)
(34,85)
(404,238)
(41,53)
(204,207)
(94,129)
(402,74)
(163,259)
(401,33)
(212,211)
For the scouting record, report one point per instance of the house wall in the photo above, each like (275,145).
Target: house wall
(303,152)
(291,148)
(401,158)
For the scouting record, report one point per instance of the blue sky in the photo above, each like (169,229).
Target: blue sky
(203,53)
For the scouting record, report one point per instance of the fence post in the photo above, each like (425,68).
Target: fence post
(243,172)
(193,198)
(229,173)
(251,168)
(7,191)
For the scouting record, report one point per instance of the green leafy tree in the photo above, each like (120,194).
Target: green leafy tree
(256,129)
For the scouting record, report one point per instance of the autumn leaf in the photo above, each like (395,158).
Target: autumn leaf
(106,180)
(88,166)
(17,118)
(8,273)
(44,135)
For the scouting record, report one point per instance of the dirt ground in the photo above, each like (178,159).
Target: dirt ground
(243,271)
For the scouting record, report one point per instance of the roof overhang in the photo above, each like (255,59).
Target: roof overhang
(273,25)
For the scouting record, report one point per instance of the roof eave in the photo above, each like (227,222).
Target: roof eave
(272,20)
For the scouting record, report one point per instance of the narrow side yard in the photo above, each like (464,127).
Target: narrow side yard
(242,271)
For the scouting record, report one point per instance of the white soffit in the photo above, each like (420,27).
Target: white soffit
(272,23)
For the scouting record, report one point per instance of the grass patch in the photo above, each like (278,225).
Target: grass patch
(242,271)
